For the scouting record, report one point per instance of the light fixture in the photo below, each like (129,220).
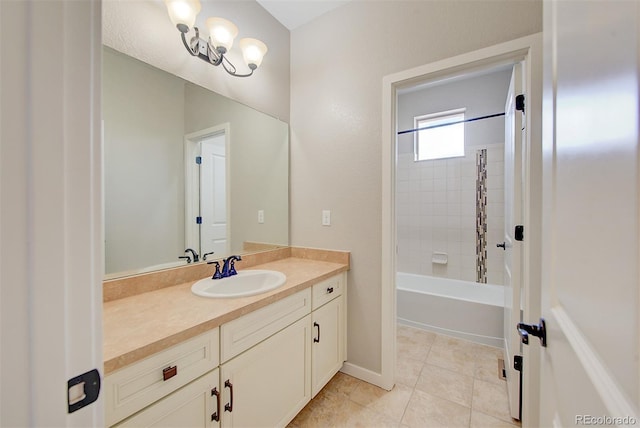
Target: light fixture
(221,34)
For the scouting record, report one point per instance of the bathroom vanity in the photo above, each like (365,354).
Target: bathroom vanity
(173,358)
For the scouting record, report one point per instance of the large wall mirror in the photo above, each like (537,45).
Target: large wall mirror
(185,167)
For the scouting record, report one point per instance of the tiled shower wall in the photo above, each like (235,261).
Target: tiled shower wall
(436,212)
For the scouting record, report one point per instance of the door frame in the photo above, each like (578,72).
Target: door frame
(192,180)
(529,50)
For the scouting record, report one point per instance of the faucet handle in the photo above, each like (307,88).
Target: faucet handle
(217,274)
(186,257)
(204,256)
(232,268)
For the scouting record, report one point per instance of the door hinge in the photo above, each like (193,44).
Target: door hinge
(519,233)
(520,103)
(198,220)
(198,160)
(517,362)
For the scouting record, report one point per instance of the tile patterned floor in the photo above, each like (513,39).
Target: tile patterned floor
(440,382)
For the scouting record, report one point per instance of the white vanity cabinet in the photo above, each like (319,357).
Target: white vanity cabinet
(258,370)
(269,384)
(265,374)
(329,331)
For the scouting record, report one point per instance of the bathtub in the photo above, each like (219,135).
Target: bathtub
(456,308)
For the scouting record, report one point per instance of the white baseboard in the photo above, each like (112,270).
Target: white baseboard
(366,375)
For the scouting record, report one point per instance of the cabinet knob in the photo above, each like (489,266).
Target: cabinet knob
(329,290)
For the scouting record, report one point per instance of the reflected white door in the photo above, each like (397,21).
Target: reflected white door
(590,294)
(513,193)
(213,195)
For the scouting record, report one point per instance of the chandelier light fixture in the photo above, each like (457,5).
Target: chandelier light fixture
(183,14)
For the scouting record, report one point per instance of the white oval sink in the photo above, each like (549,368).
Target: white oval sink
(245,283)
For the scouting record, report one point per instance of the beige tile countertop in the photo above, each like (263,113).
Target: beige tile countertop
(140,325)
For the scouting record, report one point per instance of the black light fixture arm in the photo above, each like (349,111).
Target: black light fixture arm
(196,46)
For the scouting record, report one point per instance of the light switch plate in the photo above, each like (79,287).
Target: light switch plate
(326,217)
(260,216)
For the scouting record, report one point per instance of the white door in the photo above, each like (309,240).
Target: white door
(213,195)
(590,294)
(513,193)
(51,268)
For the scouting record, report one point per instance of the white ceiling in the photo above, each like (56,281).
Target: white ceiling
(293,13)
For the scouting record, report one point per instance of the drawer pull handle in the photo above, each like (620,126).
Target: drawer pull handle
(216,415)
(169,372)
(329,290)
(229,406)
(316,339)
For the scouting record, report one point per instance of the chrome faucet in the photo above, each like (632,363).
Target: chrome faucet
(228,268)
(194,254)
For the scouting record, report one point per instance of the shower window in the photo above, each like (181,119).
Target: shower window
(443,138)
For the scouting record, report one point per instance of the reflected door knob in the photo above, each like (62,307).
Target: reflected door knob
(503,246)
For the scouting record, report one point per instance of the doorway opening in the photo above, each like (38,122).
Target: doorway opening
(207,191)
(525,51)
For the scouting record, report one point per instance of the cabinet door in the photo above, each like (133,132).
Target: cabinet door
(267,385)
(327,348)
(194,405)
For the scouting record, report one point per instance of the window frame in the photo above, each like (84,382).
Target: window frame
(418,122)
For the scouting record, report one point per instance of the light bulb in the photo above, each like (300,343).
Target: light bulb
(183,13)
(221,33)
(253,50)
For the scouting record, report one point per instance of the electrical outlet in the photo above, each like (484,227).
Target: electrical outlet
(260,216)
(326,217)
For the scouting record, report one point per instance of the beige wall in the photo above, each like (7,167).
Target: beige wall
(142,29)
(337,65)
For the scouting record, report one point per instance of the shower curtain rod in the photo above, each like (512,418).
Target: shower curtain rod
(451,123)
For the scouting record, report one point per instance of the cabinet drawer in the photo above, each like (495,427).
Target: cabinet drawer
(327,290)
(138,385)
(241,334)
(191,406)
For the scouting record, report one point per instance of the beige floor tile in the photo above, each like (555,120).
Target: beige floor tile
(487,369)
(454,342)
(408,370)
(446,384)
(412,347)
(343,384)
(319,411)
(434,386)
(485,350)
(491,399)
(455,358)
(425,410)
(363,417)
(417,335)
(389,403)
(480,420)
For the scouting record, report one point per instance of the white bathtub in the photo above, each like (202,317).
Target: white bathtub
(456,308)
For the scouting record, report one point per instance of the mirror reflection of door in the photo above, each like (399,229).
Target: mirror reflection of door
(213,195)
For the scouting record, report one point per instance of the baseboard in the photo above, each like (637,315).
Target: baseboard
(366,375)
